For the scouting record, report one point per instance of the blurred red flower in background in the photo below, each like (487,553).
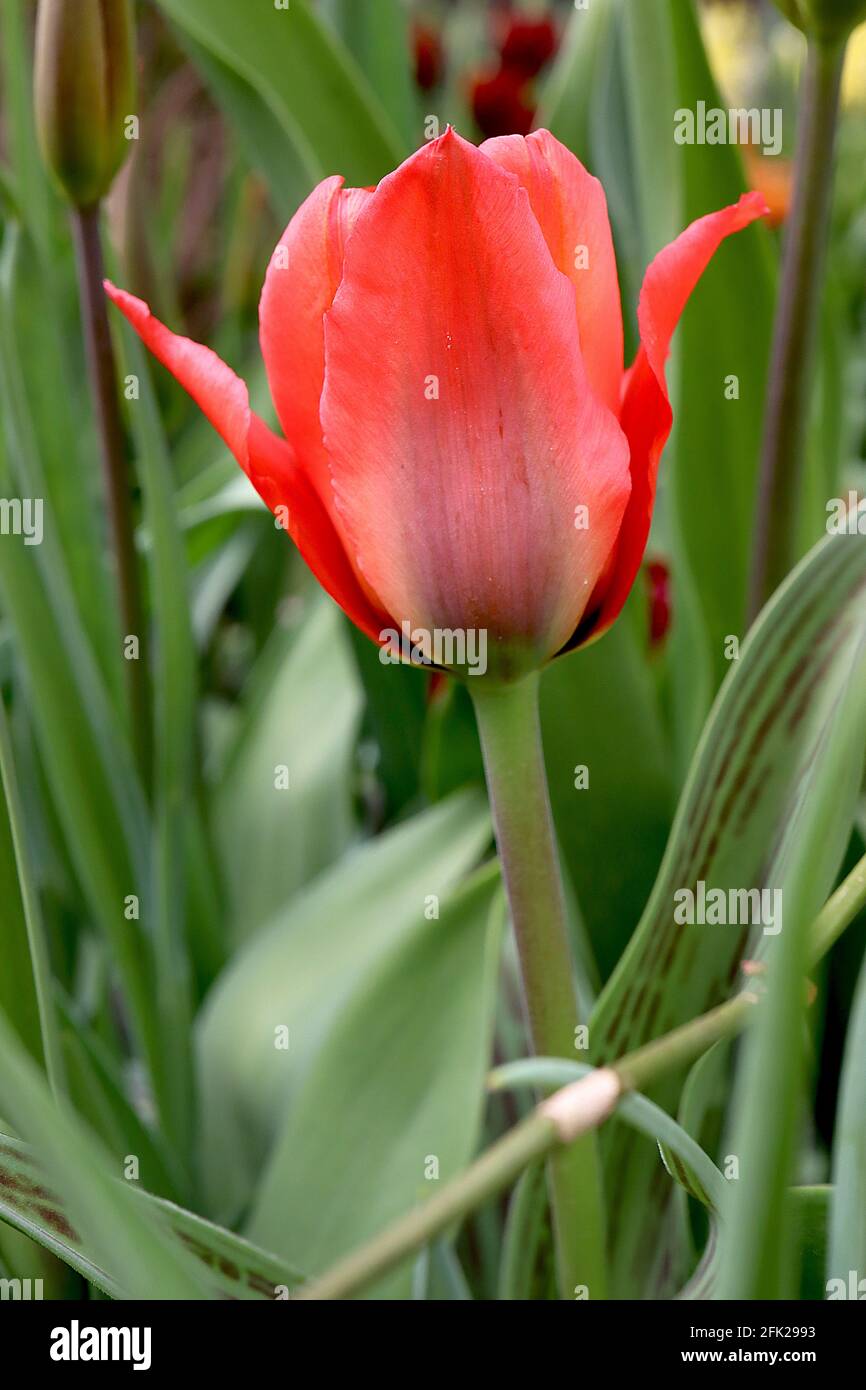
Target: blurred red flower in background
(528,45)
(500,104)
(429,57)
(658,581)
(502,101)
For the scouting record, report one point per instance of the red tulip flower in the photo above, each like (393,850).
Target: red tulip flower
(462,447)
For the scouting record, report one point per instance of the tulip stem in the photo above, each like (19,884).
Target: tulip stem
(509,725)
(793,350)
(103,380)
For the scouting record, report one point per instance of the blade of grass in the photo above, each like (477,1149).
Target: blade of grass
(36,937)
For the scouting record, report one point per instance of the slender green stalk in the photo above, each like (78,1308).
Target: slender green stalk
(39,958)
(792,357)
(103,380)
(578,1109)
(532,1138)
(509,726)
(637,1069)
(838,911)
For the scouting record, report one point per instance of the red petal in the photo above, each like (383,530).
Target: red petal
(572,212)
(646,415)
(268,461)
(461,509)
(300,285)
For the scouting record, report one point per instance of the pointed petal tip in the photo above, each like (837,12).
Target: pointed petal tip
(755,204)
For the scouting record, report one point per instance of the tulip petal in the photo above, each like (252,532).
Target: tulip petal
(269,463)
(572,212)
(299,288)
(458,419)
(646,415)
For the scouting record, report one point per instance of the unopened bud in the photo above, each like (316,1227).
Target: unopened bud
(84,91)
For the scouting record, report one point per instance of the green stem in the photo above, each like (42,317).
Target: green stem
(118,500)
(838,911)
(792,357)
(508,722)
(538,1135)
(637,1069)
(532,1138)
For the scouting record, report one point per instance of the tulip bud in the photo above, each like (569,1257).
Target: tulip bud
(84,90)
(828,20)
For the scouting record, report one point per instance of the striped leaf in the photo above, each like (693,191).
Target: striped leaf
(741,824)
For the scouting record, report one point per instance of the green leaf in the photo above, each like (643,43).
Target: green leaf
(84,750)
(397,1088)
(25,894)
(124,1237)
(311,84)
(377,36)
(565,101)
(848,1209)
(17,985)
(769,799)
(811,1210)
(649,73)
(52,440)
(299,728)
(300,972)
(31,184)
(233,1267)
(98,1092)
(288,167)
(395,712)
(758,1259)
(524,1233)
(712,465)
(176,738)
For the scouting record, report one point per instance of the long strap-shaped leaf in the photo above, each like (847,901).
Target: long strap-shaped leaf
(762,754)
(235,1268)
(303,73)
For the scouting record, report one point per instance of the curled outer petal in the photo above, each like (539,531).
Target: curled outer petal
(269,463)
(646,414)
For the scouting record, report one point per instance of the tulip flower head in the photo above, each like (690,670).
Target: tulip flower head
(463,449)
